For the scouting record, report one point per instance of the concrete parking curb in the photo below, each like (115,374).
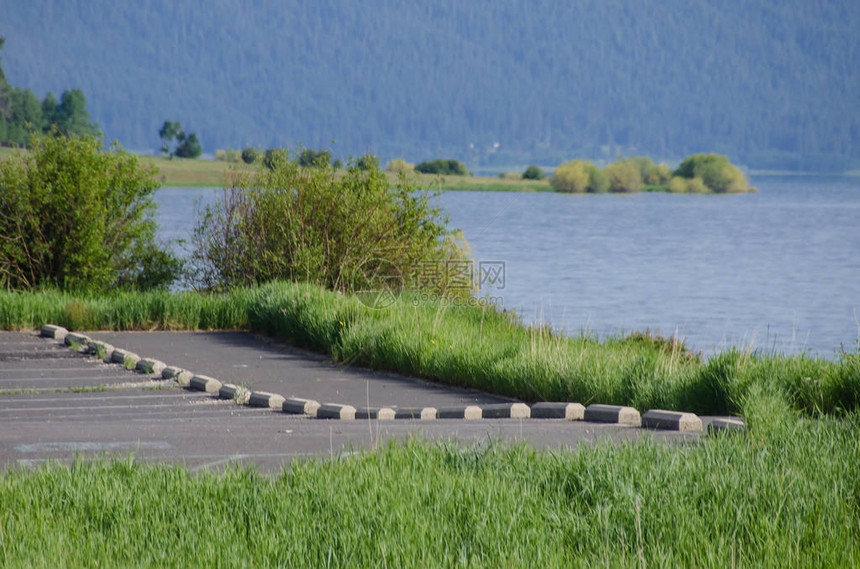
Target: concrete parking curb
(616,414)
(124,358)
(335,411)
(381,413)
(266,399)
(671,420)
(299,406)
(467,412)
(726,426)
(236,393)
(420,413)
(82,342)
(597,413)
(505,411)
(101,349)
(170,372)
(150,366)
(205,383)
(566,411)
(52,331)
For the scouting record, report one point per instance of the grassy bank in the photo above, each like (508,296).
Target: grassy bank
(786,494)
(470,345)
(185,172)
(179,172)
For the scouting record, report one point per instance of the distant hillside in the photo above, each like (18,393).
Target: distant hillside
(771,84)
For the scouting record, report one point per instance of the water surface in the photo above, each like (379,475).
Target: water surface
(778,269)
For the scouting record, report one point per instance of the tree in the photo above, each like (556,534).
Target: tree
(533,173)
(79,217)
(310,157)
(21,113)
(73,118)
(50,112)
(187,144)
(4,105)
(25,117)
(167,133)
(443,167)
(249,155)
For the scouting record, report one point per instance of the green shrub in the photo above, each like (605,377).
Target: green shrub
(533,173)
(77,217)
(309,157)
(715,171)
(570,177)
(398,166)
(274,156)
(443,167)
(677,185)
(343,231)
(624,176)
(367,162)
(231,156)
(579,176)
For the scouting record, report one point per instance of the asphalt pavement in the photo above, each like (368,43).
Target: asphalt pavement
(56,404)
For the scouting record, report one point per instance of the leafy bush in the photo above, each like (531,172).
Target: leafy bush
(570,177)
(249,155)
(344,231)
(75,216)
(579,176)
(533,173)
(691,186)
(229,155)
(624,176)
(399,166)
(443,167)
(715,171)
(272,156)
(677,185)
(310,157)
(367,162)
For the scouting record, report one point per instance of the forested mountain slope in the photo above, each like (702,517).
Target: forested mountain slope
(772,84)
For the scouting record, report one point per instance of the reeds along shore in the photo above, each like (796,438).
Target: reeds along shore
(469,344)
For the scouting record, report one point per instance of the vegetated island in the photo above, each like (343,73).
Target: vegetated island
(697,174)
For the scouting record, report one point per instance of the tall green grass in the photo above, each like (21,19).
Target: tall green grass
(785,495)
(469,345)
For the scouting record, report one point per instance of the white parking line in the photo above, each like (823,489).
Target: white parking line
(89,446)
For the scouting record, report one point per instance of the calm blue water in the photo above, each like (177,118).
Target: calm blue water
(778,269)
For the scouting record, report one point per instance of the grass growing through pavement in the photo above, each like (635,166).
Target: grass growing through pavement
(785,494)
(469,345)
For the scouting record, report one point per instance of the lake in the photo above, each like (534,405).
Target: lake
(778,269)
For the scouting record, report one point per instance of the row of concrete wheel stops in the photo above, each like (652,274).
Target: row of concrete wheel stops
(597,413)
